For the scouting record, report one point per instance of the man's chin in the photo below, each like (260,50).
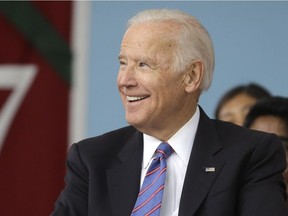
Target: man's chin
(132,121)
(135,123)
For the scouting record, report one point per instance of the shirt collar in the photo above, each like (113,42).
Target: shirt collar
(182,141)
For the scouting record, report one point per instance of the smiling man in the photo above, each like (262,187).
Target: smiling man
(150,88)
(172,160)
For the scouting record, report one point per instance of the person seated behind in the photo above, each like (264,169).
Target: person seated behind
(235,103)
(271,115)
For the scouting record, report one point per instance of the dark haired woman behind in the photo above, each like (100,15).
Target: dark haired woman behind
(236,103)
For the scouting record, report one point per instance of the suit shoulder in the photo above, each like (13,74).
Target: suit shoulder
(107,144)
(230,133)
(108,140)
(245,145)
(227,128)
(119,134)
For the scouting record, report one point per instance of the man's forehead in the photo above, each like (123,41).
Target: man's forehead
(154,29)
(140,36)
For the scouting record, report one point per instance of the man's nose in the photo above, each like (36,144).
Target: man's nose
(127,77)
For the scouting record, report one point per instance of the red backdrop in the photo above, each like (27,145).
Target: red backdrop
(32,157)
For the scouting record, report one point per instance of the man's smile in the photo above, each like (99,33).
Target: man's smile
(136,98)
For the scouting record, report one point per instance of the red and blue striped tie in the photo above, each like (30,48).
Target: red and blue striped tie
(150,196)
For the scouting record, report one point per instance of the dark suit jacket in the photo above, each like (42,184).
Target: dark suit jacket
(103,174)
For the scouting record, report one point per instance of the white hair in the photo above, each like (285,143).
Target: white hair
(193,40)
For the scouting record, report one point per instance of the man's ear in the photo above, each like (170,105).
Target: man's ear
(193,76)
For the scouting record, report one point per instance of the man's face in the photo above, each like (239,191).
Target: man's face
(152,93)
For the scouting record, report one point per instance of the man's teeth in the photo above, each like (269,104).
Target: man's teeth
(132,98)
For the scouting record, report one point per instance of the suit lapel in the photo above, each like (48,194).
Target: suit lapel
(123,176)
(203,168)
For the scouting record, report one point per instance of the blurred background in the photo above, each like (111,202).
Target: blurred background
(58,70)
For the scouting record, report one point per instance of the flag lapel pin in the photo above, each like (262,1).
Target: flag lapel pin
(210,169)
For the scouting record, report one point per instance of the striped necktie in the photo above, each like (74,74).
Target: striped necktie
(150,196)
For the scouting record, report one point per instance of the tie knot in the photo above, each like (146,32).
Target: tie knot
(164,150)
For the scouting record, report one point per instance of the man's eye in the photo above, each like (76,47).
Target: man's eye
(142,64)
(122,63)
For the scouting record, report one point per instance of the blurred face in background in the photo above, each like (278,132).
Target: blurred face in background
(273,124)
(236,109)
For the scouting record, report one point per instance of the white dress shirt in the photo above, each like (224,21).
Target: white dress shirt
(177,163)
